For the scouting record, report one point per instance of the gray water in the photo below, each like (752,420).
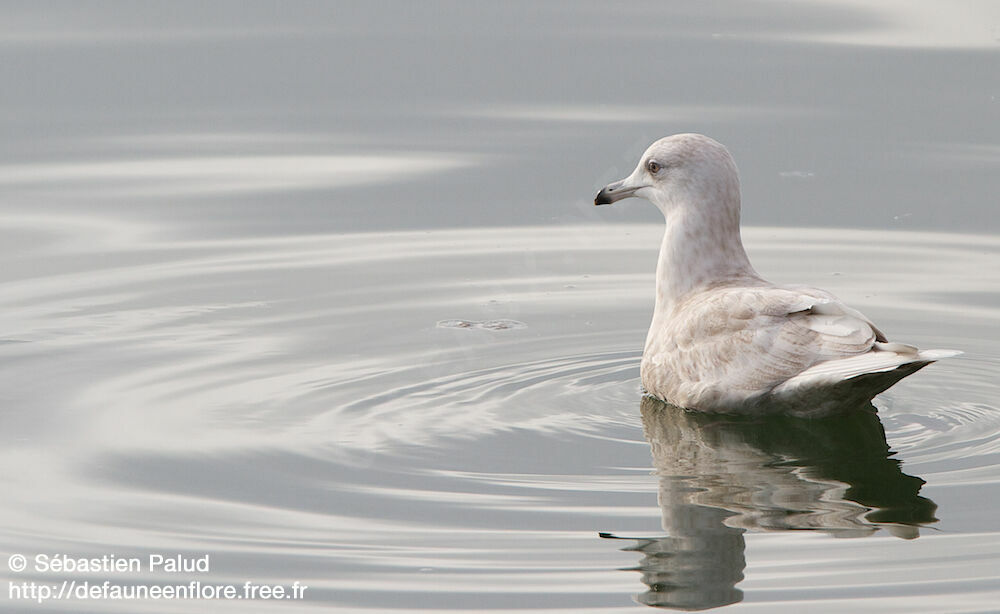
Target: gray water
(318,291)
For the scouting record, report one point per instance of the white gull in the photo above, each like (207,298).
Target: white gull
(722,338)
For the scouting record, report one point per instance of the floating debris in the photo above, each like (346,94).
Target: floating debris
(487,324)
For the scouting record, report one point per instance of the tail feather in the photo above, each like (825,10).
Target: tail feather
(884,363)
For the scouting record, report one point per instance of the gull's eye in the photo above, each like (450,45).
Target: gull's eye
(653,167)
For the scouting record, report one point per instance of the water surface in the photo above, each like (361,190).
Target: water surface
(307,410)
(321,292)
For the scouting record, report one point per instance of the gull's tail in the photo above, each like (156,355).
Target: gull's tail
(857,379)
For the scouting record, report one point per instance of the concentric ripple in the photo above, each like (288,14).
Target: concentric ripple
(455,415)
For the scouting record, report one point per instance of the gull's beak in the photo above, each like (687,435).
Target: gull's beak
(617,191)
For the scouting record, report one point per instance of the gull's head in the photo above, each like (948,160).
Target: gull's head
(680,170)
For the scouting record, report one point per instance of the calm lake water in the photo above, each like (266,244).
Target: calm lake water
(318,291)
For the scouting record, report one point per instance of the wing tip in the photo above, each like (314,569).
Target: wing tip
(938,354)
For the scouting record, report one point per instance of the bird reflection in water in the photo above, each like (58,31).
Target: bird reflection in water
(721,476)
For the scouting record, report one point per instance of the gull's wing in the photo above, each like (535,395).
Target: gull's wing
(728,344)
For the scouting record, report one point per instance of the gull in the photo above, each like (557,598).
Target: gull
(723,339)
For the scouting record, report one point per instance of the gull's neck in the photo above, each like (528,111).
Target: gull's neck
(701,246)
